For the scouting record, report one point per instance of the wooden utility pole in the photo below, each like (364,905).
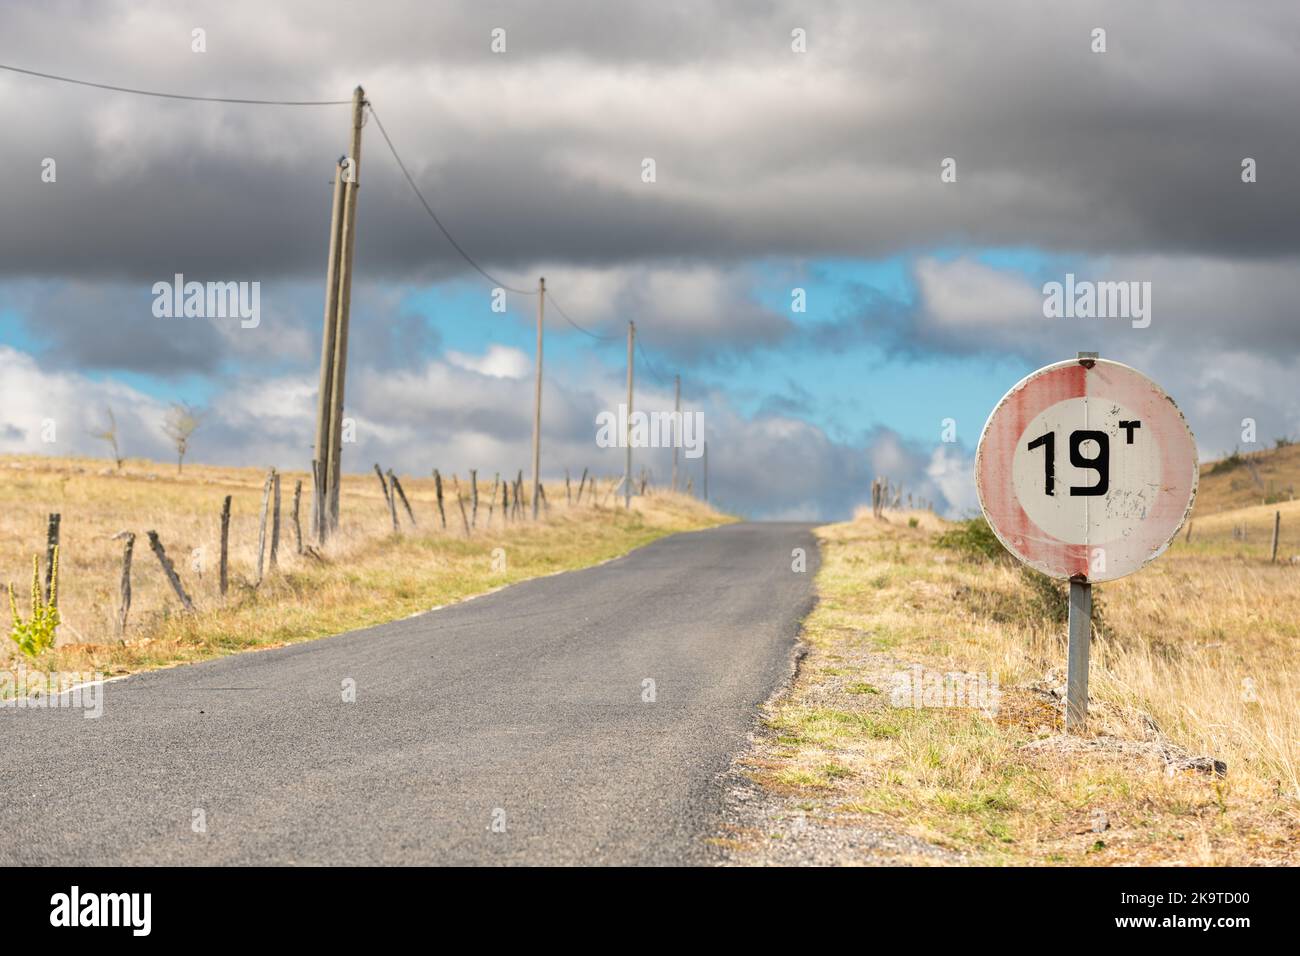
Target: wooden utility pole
(677,423)
(627,470)
(537,398)
(319,522)
(334,342)
(348,234)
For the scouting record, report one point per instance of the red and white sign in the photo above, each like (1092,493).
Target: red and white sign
(1086,468)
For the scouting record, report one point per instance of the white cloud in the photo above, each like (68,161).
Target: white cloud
(75,404)
(963,294)
(500,361)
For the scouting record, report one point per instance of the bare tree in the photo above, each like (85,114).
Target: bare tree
(179,425)
(109,434)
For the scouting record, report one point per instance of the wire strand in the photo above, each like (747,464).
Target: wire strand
(550,296)
(173,96)
(649,364)
(391,148)
(434,216)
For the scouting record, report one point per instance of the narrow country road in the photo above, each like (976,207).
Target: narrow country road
(508,729)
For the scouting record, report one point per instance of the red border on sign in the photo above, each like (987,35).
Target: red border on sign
(998,447)
(1108,381)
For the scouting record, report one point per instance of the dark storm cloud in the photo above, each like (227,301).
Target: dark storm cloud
(535,154)
(112,326)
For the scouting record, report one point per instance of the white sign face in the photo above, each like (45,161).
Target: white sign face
(1086,469)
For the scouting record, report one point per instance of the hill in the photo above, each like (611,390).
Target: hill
(1242,480)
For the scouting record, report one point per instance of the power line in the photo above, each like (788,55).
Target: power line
(396,156)
(595,335)
(478,268)
(649,364)
(434,216)
(174,96)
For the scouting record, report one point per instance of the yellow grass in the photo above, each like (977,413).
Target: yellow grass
(1245,533)
(367,574)
(1198,655)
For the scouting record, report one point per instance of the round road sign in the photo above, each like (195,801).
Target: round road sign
(1086,469)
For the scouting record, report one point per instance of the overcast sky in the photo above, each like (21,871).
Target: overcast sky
(775,170)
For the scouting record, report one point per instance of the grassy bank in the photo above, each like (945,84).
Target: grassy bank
(1195,656)
(365,575)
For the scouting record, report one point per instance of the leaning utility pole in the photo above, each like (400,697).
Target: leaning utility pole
(319,520)
(537,400)
(627,470)
(677,423)
(334,342)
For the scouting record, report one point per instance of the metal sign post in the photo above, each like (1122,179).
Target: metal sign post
(1076,678)
(1085,471)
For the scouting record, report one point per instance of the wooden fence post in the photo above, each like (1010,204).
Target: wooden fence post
(460,500)
(582,481)
(437,487)
(124,607)
(397,485)
(473,493)
(392,499)
(382,484)
(297,527)
(1277,529)
(275,518)
(225,543)
(492,498)
(261,532)
(170,571)
(568,489)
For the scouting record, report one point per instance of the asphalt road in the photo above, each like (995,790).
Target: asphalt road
(523,708)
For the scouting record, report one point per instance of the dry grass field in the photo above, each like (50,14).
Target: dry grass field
(1195,656)
(366,573)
